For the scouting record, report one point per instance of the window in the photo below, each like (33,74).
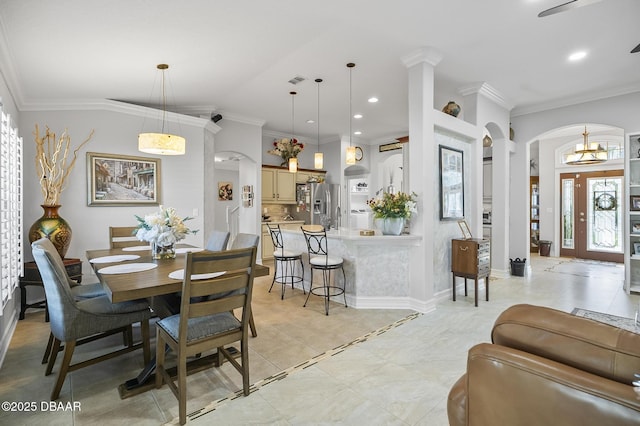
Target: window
(11,253)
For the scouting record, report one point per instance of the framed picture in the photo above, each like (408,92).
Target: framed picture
(635,226)
(225,191)
(451,183)
(634,203)
(122,180)
(464,227)
(636,248)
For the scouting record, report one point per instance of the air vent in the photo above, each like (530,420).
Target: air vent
(296,80)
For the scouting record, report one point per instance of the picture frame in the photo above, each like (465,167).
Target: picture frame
(634,203)
(464,227)
(451,164)
(122,180)
(225,191)
(636,248)
(635,227)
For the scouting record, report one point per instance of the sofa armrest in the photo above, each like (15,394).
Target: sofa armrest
(506,386)
(457,403)
(585,344)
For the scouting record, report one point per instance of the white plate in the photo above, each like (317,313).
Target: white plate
(136,248)
(179,275)
(126,268)
(115,258)
(188,249)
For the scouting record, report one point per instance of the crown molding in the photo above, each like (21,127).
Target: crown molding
(426,54)
(487,91)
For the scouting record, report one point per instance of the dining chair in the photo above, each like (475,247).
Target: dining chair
(78,322)
(284,261)
(206,322)
(243,240)
(218,241)
(123,236)
(320,259)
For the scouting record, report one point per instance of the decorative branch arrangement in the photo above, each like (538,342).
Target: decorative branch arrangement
(53,162)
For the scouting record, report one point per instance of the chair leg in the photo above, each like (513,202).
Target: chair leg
(160,351)
(182,388)
(344,287)
(326,281)
(52,356)
(64,367)
(47,351)
(275,273)
(302,281)
(310,289)
(244,355)
(127,336)
(252,325)
(146,346)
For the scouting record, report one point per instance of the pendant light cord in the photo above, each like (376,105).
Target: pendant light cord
(293,135)
(318,80)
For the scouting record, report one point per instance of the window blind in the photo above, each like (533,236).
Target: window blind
(11,250)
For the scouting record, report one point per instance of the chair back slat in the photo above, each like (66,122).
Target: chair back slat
(222,284)
(122,236)
(216,306)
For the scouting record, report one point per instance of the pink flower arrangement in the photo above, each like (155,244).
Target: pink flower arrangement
(286,148)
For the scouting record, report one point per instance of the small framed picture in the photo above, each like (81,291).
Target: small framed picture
(634,203)
(636,248)
(225,191)
(464,227)
(635,226)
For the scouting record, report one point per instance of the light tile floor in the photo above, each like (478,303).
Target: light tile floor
(401,376)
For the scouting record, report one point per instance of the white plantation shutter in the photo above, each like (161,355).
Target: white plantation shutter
(11,250)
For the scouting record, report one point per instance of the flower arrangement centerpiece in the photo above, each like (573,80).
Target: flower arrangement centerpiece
(286,148)
(393,210)
(162,229)
(55,159)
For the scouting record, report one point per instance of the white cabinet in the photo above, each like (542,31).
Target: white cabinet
(278,186)
(632,215)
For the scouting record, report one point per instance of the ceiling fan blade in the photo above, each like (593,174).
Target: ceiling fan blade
(636,49)
(566,6)
(557,9)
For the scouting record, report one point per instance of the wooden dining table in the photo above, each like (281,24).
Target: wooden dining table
(147,284)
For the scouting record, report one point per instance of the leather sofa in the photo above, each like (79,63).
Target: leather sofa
(547,367)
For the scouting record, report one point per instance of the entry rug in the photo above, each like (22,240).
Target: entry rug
(283,374)
(620,322)
(592,269)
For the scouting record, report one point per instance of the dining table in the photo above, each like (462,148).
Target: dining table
(131,273)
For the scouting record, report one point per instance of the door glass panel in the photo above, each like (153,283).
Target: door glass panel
(604,227)
(568,241)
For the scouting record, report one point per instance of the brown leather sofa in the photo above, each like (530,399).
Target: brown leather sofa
(547,367)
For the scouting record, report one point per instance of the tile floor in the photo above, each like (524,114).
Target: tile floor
(401,376)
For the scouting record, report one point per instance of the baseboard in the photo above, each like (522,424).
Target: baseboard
(11,318)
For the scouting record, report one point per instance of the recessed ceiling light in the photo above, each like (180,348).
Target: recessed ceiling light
(310,121)
(357,116)
(373,100)
(357,132)
(576,56)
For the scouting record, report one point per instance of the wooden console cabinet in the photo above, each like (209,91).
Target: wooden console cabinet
(471,258)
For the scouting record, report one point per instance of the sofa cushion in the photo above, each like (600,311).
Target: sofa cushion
(585,344)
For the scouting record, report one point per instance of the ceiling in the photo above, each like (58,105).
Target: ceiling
(235,57)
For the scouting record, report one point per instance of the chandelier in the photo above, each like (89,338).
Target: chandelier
(161,143)
(587,152)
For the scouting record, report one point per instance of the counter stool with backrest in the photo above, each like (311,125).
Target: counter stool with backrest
(320,259)
(285,262)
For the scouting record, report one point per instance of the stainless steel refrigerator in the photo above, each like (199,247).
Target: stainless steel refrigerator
(320,204)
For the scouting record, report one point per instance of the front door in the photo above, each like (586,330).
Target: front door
(591,222)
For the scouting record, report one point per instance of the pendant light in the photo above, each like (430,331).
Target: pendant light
(293,161)
(351,150)
(587,153)
(162,143)
(318,157)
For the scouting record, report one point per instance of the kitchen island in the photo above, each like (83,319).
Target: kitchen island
(377,266)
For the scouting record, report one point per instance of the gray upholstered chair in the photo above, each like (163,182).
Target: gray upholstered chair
(320,259)
(218,241)
(244,241)
(77,322)
(206,321)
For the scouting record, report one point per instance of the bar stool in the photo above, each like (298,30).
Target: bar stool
(285,262)
(320,259)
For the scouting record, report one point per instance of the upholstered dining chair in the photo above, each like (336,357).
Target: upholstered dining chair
(284,261)
(243,240)
(205,321)
(77,322)
(218,241)
(122,236)
(320,259)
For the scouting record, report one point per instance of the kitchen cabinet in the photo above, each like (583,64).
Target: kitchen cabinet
(278,186)
(471,258)
(632,215)
(534,215)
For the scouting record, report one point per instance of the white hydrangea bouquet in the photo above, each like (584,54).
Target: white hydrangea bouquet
(162,229)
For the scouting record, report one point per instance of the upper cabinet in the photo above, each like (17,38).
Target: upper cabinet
(278,186)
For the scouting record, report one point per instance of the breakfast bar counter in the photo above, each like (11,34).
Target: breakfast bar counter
(377,266)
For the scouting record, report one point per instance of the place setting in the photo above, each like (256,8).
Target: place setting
(127,268)
(179,275)
(115,258)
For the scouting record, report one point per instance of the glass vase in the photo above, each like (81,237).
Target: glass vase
(392,225)
(160,252)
